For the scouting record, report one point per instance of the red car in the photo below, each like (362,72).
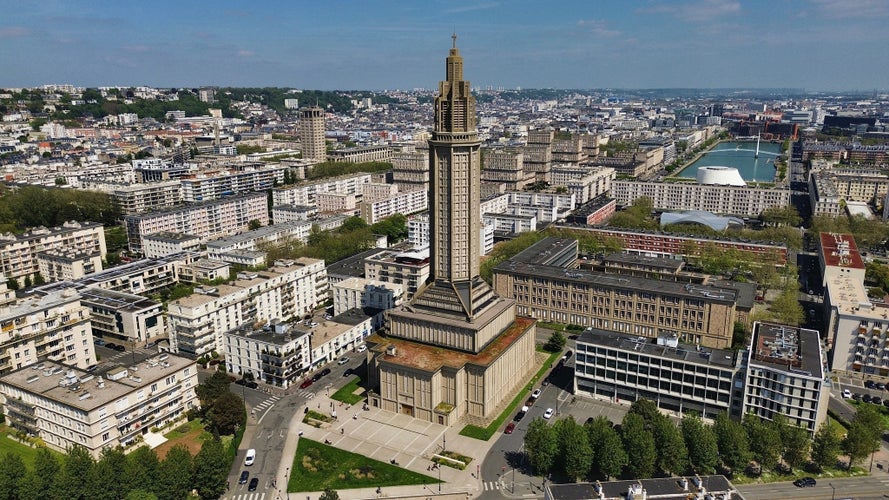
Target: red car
(509,428)
(307,382)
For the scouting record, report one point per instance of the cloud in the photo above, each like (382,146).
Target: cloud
(859,8)
(246,53)
(470,8)
(13,32)
(697,11)
(597,27)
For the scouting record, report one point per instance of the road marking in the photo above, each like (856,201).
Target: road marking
(492,485)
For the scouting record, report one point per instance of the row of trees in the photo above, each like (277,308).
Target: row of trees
(32,206)
(648,444)
(139,475)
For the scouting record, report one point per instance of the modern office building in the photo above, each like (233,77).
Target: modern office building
(311,133)
(730,200)
(52,327)
(286,291)
(19,252)
(457,352)
(209,220)
(64,406)
(785,376)
(276,353)
(547,285)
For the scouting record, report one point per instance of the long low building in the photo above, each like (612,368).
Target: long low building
(65,406)
(729,200)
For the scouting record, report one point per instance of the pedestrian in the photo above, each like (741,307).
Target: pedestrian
(342,431)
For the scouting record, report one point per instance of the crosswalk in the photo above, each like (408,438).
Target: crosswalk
(248,496)
(261,407)
(492,485)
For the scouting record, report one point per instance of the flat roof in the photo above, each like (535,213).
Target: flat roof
(840,250)
(663,263)
(44,382)
(119,301)
(667,488)
(787,347)
(170,237)
(692,354)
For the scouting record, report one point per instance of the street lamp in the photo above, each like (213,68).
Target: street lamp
(834,493)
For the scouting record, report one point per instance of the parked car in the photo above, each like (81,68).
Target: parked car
(856,397)
(881,386)
(870,384)
(361,348)
(98,342)
(240,381)
(535,394)
(348,372)
(110,345)
(254,483)
(509,428)
(120,348)
(529,402)
(548,413)
(847,394)
(342,360)
(251,384)
(876,400)
(805,482)
(325,372)
(866,398)
(307,382)
(251,456)
(243,478)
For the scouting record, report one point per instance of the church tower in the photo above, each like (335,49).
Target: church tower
(457,351)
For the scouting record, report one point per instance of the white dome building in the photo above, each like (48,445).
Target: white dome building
(720,176)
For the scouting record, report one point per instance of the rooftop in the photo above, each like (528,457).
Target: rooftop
(688,353)
(171,237)
(118,301)
(840,250)
(668,488)
(785,347)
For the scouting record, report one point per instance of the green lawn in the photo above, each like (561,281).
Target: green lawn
(485,433)
(317,466)
(184,429)
(8,445)
(347,394)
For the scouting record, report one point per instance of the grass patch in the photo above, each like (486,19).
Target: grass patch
(774,477)
(557,327)
(881,410)
(317,466)
(485,433)
(347,393)
(185,429)
(8,445)
(457,461)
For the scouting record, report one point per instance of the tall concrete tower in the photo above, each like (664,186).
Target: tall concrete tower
(311,133)
(457,351)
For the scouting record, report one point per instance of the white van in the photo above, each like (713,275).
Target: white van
(251,456)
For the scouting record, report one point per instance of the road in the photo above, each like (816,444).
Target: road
(269,419)
(860,488)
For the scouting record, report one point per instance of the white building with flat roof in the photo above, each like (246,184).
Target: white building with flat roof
(19,252)
(276,353)
(165,243)
(360,293)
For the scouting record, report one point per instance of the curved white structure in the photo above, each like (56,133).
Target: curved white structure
(720,176)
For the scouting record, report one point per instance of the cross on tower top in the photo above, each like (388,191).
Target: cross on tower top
(454,38)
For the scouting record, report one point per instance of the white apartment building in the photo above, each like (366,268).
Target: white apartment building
(66,407)
(215,219)
(511,223)
(277,354)
(335,202)
(374,191)
(165,243)
(19,252)
(361,154)
(563,202)
(305,193)
(66,265)
(53,327)
(830,188)
(358,293)
(142,197)
(292,213)
(410,170)
(730,200)
(123,317)
(288,290)
(585,183)
(409,269)
(401,203)
(251,240)
(785,376)
(333,338)
(215,184)
(418,233)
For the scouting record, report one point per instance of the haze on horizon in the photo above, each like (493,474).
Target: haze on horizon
(353,44)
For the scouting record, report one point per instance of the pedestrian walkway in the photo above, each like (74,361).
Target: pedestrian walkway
(261,407)
(248,496)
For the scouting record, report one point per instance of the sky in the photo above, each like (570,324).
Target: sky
(401,44)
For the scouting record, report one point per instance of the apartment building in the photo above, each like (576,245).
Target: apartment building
(289,289)
(276,354)
(538,154)
(547,285)
(506,167)
(785,376)
(410,170)
(360,293)
(400,203)
(52,327)
(361,154)
(654,243)
(418,231)
(677,377)
(215,184)
(344,333)
(64,406)
(143,197)
(585,183)
(291,213)
(410,269)
(595,211)
(253,240)
(305,193)
(335,203)
(123,317)
(66,264)
(830,189)
(158,169)
(569,150)
(511,223)
(209,220)
(312,133)
(157,245)
(374,191)
(19,252)
(730,200)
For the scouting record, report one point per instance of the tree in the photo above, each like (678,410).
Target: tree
(210,470)
(647,409)
(329,494)
(40,478)
(212,388)
(254,224)
(795,441)
(12,470)
(141,495)
(639,446)
(764,439)
(700,441)
(141,469)
(609,457)
(672,457)
(226,414)
(541,446)
(864,433)
(826,446)
(731,438)
(576,456)
(556,342)
(353,224)
(111,464)
(71,481)
(174,474)
(787,309)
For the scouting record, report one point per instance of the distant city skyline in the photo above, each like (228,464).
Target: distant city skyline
(362,45)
